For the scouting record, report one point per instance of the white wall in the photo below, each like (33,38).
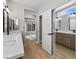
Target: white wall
(4,3)
(17,11)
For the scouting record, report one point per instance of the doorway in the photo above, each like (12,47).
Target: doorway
(30,28)
(40,30)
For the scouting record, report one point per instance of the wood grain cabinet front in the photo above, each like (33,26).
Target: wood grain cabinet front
(59,38)
(67,40)
(72,42)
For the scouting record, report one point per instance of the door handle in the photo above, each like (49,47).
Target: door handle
(50,33)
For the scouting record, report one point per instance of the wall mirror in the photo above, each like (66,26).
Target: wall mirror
(9,23)
(72,22)
(15,24)
(65,33)
(5,21)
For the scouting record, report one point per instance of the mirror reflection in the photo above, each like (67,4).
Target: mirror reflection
(65,33)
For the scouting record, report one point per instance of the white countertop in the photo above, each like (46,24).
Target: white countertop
(68,32)
(12,45)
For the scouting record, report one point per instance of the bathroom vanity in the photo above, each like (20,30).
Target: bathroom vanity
(66,39)
(12,45)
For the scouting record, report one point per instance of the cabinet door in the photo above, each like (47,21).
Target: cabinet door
(59,38)
(72,44)
(67,41)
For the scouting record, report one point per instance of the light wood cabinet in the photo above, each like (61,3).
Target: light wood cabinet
(67,40)
(72,44)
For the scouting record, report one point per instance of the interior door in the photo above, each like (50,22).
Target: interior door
(47,33)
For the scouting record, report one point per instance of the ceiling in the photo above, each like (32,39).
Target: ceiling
(30,3)
(40,4)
